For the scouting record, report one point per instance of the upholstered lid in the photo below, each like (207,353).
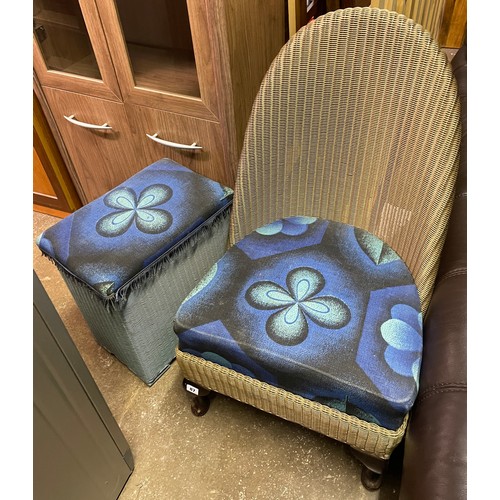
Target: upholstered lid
(110,242)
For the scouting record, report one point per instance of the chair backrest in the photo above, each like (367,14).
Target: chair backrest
(356,120)
(428,13)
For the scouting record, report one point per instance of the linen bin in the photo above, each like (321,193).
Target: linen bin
(130,257)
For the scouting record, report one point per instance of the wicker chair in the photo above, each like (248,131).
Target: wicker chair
(354,134)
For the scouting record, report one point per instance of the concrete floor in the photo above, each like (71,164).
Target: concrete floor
(233,452)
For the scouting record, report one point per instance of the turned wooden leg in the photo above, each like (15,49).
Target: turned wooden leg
(201,401)
(372,473)
(371,480)
(200,405)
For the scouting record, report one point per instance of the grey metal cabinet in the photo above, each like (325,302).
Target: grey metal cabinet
(79,452)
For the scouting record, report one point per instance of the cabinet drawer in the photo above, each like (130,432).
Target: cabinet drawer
(186,130)
(101,159)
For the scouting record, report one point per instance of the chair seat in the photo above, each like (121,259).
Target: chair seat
(321,309)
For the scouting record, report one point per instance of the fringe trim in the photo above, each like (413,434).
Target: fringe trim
(118,299)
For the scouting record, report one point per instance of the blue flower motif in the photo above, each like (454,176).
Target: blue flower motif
(288,326)
(291,226)
(378,251)
(147,219)
(403,333)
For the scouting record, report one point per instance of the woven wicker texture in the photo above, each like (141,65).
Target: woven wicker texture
(140,333)
(428,13)
(357,120)
(366,437)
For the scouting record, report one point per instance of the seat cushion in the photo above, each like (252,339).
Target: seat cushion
(319,308)
(110,242)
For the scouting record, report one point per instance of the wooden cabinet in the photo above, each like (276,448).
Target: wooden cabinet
(163,78)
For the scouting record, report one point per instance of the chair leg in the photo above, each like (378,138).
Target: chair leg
(372,473)
(201,401)
(200,405)
(371,480)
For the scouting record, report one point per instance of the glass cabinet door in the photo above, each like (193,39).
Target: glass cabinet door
(63,39)
(64,34)
(158,38)
(165,53)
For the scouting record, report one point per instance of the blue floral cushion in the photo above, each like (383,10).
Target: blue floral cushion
(108,242)
(319,308)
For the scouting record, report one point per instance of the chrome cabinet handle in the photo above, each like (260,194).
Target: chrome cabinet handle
(173,144)
(74,121)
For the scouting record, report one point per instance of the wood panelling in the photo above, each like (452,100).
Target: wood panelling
(247,36)
(454,24)
(446,20)
(41,182)
(428,13)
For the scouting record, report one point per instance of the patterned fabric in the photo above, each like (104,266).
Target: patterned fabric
(319,308)
(108,242)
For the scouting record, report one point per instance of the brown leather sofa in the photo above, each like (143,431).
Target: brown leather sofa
(435,448)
